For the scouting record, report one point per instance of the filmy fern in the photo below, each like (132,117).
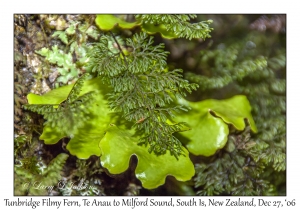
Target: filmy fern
(68,114)
(236,72)
(233,172)
(179,25)
(143,88)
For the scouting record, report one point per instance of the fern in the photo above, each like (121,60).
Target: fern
(143,88)
(143,91)
(68,114)
(179,25)
(254,66)
(233,172)
(233,73)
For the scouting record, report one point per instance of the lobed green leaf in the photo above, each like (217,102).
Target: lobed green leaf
(209,121)
(152,29)
(86,136)
(98,136)
(108,22)
(117,147)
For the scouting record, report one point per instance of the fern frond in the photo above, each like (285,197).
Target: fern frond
(41,108)
(179,25)
(143,88)
(68,114)
(75,91)
(234,73)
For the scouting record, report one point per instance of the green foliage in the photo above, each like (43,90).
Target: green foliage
(135,105)
(269,112)
(108,22)
(233,172)
(19,144)
(66,68)
(68,114)
(86,177)
(85,139)
(61,35)
(226,69)
(135,57)
(85,134)
(75,36)
(143,88)
(32,179)
(100,136)
(254,66)
(146,171)
(169,26)
(209,121)
(175,26)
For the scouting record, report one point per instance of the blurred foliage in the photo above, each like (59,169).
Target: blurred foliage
(33,178)
(86,180)
(252,63)
(233,171)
